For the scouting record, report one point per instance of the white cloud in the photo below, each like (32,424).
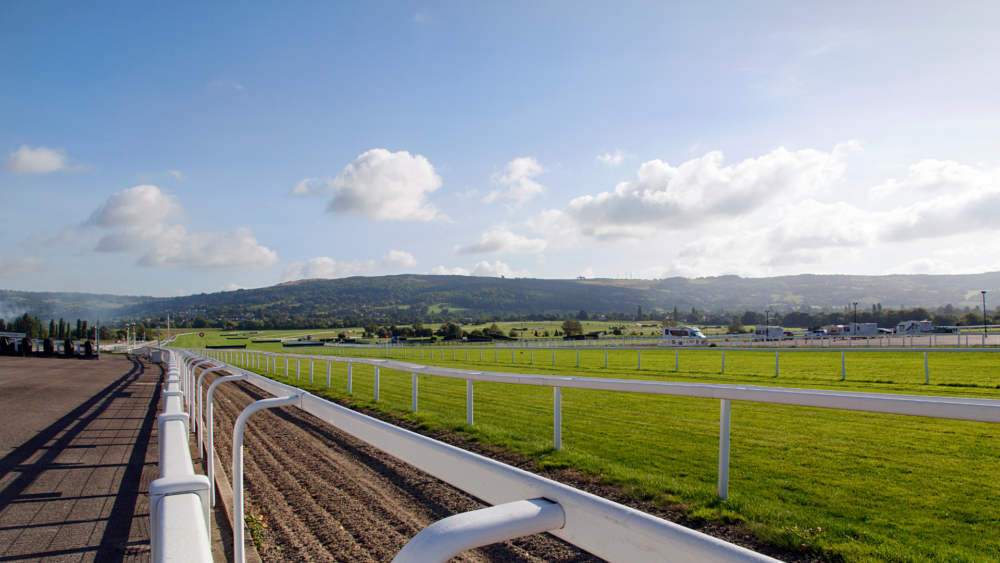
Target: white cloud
(443,271)
(12,266)
(615,159)
(923,266)
(380,185)
(399,259)
(135,207)
(326,268)
(666,198)
(588,272)
(41,160)
(517,178)
(497,269)
(936,177)
(138,221)
(231,287)
(502,241)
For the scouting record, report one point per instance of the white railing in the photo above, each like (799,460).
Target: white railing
(976,410)
(411,353)
(179,500)
(609,530)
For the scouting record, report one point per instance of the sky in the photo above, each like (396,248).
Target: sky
(175,148)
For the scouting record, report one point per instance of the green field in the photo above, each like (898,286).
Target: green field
(855,486)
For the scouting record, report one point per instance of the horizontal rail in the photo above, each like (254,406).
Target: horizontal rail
(179,499)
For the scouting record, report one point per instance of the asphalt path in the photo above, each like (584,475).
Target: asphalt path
(77,453)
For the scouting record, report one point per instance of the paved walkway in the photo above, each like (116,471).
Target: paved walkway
(77,452)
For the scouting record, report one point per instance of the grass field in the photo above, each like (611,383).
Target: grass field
(855,486)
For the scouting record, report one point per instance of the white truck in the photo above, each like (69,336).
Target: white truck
(682,336)
(915,327)
(768,333)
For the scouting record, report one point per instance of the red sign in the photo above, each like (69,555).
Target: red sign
(201,334)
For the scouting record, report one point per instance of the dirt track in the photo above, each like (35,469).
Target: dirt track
(329,497)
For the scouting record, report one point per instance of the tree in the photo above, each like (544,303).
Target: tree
(79,330)
(513,333)
(735,327)
(3,325)
(750,318)
(582,315)
(572,327)
(62,329)
(638,315)
(52,329)
(84,333)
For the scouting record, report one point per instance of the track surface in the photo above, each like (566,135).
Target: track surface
(327,496)
(77,452)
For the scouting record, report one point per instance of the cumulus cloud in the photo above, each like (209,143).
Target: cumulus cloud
(135,207)
(667,198)
(399,259)
(588,272)
(502,241)
(616,159)
(139,220)
(443,271)
(12,266)
(231,287)
(325,268)
(936,177)
(517,182)
(379,185)
(41,160)
(497,269)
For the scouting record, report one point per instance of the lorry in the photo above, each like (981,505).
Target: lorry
(682,336)
(768,333)
(915,327)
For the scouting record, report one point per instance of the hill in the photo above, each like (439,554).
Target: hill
(420,295)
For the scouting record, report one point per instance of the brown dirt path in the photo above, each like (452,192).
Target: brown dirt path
(327,496)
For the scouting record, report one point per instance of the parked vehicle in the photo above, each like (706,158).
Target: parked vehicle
(885,331)
(682,336)
(768,333)
(915,327)
(862,329)
(945,330)
(818,333)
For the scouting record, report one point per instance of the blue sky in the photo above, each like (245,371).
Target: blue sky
(180,148)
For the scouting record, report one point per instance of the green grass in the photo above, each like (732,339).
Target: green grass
(858,487)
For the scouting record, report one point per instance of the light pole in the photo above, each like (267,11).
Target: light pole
(984,315)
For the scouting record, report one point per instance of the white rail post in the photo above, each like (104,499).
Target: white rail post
(605,358)
(310,371)
(553,356)
(640,359)
(239,556)
(298,367)
(577,357)
(511,354)
(531,352)
(557,418)
(210,463)
(776,363)
(376,384)
(468,402)
(286,367)
(724,416)
(328,373)
(413,407)
(496,351)
(843,367)
(927,371)
(350,386)
(201,408)
(677,359)
(723,361)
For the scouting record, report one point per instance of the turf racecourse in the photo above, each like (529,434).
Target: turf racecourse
(855,486)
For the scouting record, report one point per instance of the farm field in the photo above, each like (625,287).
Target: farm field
(856,486)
